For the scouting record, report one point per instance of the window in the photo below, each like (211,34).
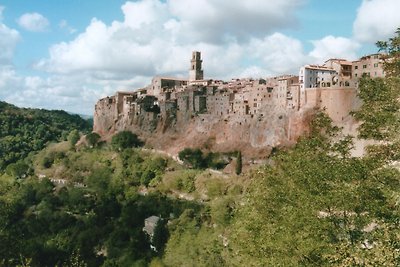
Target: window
(376,65)
(364,66)
(356,67)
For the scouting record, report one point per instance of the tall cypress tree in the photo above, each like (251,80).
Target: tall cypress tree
(239,163)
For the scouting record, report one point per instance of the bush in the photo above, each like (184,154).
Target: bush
(18,169)
(125,139)
(216,160)
(73,137)
(47,162)
(151,169)
(92,139)
(51,157)
(185,181)
(193,157)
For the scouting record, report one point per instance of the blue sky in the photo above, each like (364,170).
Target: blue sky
(67,54)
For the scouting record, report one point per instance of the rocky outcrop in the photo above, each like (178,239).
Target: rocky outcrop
(255,135)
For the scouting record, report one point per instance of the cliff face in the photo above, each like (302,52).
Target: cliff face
(172,129)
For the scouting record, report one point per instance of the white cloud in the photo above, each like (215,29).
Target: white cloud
(280,54)
(65,26)
(152,41)
(376,20)
(9,81)
(217,21)
(144,13)
(334,47)
(33,22)
(8,41)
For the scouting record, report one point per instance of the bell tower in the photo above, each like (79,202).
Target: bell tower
(196,73)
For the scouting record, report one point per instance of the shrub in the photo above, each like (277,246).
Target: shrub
(73,137)
(92,139)
(216,160)
(193,158)
(125,139)
(18,169)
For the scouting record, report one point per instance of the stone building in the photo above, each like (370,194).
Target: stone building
(286,90)
(370,65)
(162,84)
(331,86)
(196,73)
(316,76)
(150,224)
(343,69)
(220,103)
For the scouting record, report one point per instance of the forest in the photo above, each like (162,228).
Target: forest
(25,130)
(313,204)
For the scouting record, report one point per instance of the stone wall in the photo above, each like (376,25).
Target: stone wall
(337,103)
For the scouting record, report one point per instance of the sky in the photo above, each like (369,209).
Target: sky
(68,54)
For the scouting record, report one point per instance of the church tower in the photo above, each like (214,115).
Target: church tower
(196,73)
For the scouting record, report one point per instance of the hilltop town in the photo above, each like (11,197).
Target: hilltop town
(249,114)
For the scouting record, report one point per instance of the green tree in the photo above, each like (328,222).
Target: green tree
(238,168)
(92,139)
(73,137)
(193,157)
(18,169)
(125,139)
(161,235)
(392,57)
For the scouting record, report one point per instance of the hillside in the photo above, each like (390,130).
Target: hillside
(117,204)
(26,130)
(312,205)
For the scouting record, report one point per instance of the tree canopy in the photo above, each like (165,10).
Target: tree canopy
(25,130)
(125,139)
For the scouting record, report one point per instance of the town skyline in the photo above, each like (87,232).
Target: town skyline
(70,56)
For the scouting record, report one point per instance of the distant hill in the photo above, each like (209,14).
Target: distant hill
(83,116)
(25,130)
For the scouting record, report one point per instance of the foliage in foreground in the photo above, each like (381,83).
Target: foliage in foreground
(94,217)
(314,207)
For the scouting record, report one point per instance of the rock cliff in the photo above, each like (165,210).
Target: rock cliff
(254,134)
